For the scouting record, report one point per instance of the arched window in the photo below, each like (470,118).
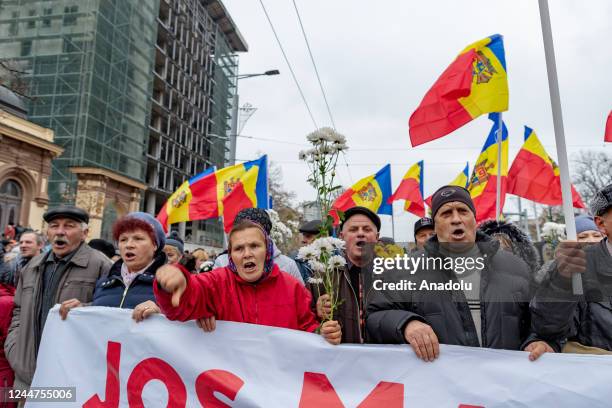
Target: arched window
(10,203)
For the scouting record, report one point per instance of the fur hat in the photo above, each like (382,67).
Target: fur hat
(522,246)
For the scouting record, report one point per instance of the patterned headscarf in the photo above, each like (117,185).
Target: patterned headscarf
(269,261)
(257,215)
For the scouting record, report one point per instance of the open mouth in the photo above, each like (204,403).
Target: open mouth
(360,244)
(249,266)
(129,256)
(60,243)
(458,233)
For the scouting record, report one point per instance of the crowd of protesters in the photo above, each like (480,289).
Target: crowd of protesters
(513,302)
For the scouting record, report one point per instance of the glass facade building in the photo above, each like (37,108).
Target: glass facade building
(142,88)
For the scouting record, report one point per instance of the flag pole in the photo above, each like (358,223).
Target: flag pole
(499,166)
(392,225)
(535,214)
(555,101)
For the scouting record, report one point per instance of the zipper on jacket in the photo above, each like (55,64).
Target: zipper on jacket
(357,304)
(125,292)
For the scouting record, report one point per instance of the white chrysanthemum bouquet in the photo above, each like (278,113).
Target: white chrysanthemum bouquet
(322,159)
(326,262)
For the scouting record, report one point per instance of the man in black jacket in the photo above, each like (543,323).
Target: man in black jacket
(466,291)
(586,321)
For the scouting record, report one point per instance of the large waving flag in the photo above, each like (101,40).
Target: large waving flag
(372,192)
(462,180)
(411,190)
(483,183)
(474,84)
(535,176)
(201,197)
(608,134)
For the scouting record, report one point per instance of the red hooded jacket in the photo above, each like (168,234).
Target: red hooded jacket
(279,300)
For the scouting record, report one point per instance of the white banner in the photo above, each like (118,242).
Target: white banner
(113,361)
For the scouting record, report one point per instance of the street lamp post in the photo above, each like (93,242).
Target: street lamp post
(234,127)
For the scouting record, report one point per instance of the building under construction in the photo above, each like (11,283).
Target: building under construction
(138,93)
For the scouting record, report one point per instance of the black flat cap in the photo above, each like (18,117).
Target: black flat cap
(424,222)
(310,227)
(363,211)
(67,211)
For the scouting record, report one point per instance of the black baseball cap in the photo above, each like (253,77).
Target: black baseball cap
(424,222)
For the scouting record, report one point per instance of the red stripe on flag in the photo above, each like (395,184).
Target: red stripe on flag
(485,202)
(162,217)
(532,178)
(233,203)
(342,203)
(203,204)
(440,112)
(410,190)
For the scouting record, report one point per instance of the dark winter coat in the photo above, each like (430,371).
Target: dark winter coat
(111,291)
(587,319)
(504,293)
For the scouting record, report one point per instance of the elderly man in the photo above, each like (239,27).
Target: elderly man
(468,292)
(423,230)
(30,245)
(68,271)
(309,231)
(360,227)
(586,321)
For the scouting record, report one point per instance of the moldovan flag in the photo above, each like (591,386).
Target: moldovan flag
(474,84)
(483,183)
(411,190)
(372,192)
(608,134)
(461,180)
(201,197)
(535,176)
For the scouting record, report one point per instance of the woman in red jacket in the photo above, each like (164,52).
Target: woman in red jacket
(251,289)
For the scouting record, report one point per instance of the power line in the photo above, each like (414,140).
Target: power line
(273,140)
(288,64)
(331,117)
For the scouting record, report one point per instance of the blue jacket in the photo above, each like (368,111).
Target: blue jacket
(110,290)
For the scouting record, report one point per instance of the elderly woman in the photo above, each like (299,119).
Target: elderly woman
(129,284)
(251,289)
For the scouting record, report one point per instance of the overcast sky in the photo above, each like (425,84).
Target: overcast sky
(377,60)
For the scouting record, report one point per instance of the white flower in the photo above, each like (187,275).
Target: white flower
(317,267)
(325,149)
(316,137)
(336,262)
(337,138)
(303,155)
(308,253)
(315,280)
(324,245)
(336,243)
(553,230)
(340,147)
